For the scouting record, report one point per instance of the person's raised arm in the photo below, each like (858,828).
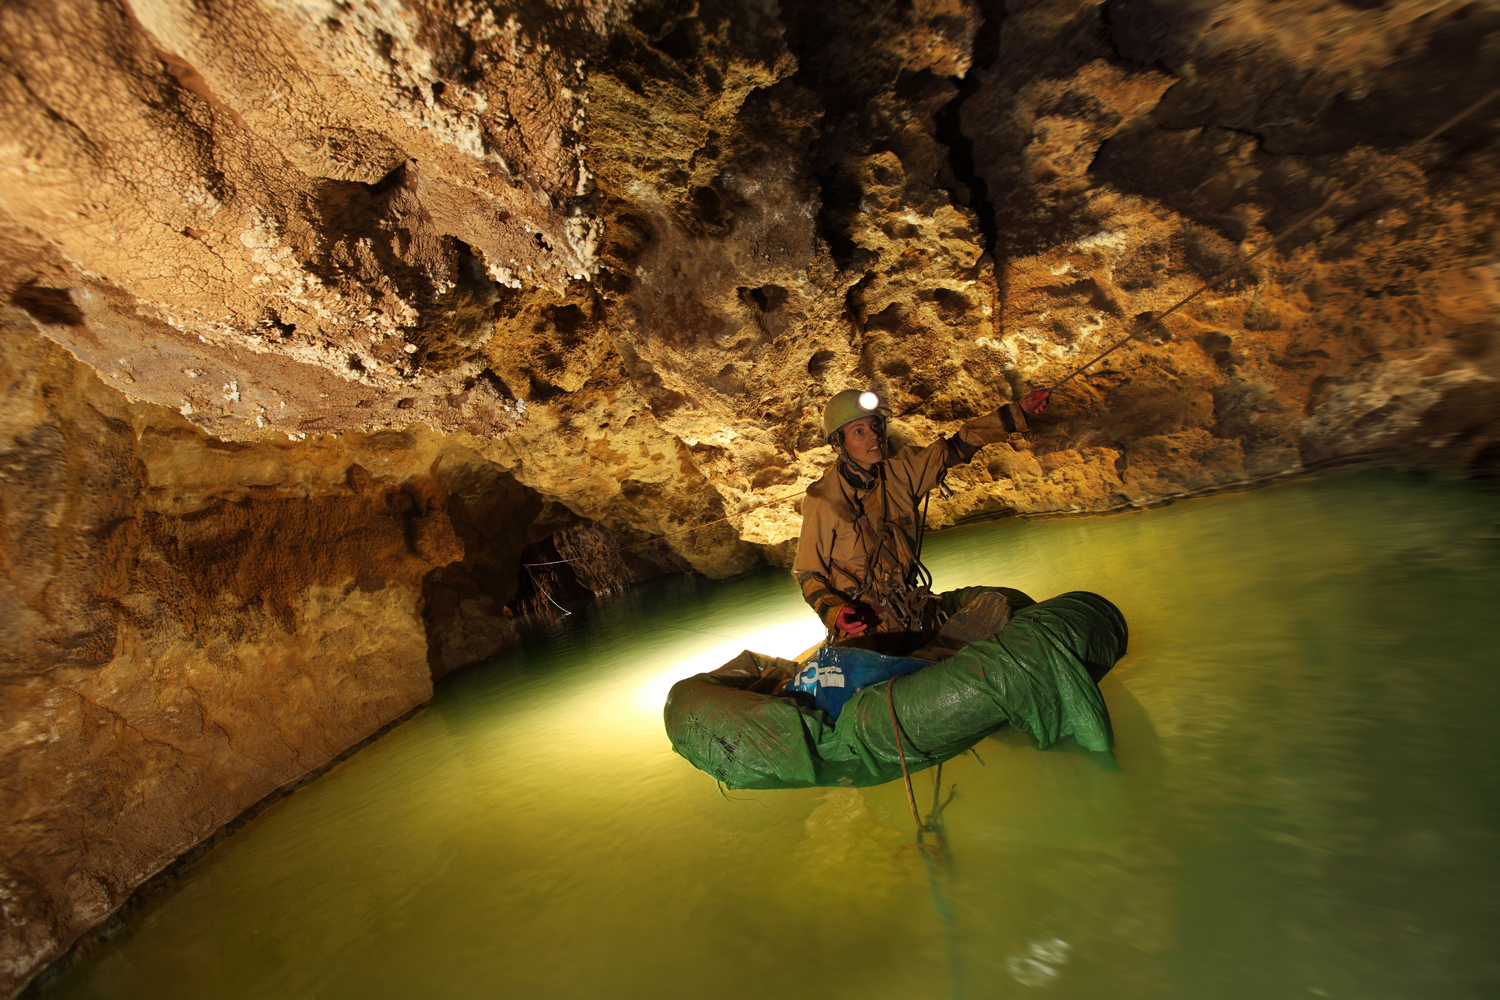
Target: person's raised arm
(1009,419)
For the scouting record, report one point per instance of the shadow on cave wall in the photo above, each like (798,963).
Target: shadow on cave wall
(524,557)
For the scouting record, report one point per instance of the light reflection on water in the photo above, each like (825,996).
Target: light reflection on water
(1306,804)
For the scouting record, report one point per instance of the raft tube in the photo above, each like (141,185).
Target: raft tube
(1039,673)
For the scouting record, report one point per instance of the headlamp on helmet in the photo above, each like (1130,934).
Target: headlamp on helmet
(848,406)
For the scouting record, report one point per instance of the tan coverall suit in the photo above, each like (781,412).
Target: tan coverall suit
(860,545)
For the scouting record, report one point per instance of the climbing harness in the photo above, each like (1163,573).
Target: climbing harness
(903,598)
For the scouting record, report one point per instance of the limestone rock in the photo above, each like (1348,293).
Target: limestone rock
(378,296)
(179,647)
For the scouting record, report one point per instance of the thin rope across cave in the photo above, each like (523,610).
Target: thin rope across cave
(1153,319)
(1150,320)
(691,527)
(594,552)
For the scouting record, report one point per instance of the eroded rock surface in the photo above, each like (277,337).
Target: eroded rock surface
(176,647)
(378,295)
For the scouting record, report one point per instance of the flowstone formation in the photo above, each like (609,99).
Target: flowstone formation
(318,315)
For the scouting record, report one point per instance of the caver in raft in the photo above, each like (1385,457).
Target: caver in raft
(1039,672)
(859,556)
(838,715)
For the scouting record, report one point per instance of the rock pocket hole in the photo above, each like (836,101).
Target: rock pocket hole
(952,305)
(765,298)
(48,305)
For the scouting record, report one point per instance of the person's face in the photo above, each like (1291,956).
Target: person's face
(862,443)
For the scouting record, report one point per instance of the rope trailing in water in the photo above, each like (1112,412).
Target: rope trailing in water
(543,590)
(911,798)
(932,825)
(1296,224)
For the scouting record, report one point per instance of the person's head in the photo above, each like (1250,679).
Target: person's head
(855,425)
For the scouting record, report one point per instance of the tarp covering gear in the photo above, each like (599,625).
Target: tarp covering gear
(973,613)
(1040,673)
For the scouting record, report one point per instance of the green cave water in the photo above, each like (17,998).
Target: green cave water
(1306,804)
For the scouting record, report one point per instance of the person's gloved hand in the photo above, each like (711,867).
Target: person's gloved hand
(1035,402)
(855,618)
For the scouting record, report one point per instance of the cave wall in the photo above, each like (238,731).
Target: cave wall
(190,624)
(317,314)
(1164,141)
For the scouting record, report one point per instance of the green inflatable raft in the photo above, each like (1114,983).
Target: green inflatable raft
(1039,672)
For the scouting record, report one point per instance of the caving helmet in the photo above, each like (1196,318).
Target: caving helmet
(848,406)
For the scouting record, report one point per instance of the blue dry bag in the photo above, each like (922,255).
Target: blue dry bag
(833,675)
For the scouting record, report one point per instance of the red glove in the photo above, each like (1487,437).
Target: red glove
(1035,402)
(855,618)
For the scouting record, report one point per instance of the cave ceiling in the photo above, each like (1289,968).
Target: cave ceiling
(627,250)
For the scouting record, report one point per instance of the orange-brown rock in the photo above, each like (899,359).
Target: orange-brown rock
(379,295)
(176,648)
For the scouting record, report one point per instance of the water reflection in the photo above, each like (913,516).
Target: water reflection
(1303,802)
